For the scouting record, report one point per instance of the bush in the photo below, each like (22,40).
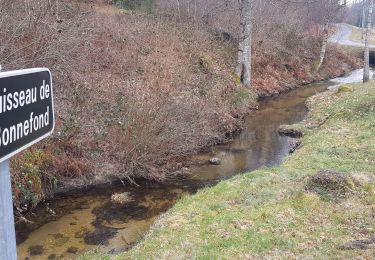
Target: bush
(29,178)
(37,172)
(146,6)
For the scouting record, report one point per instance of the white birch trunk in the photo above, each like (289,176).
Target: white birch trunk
(195,10)
(363,20)
(366,65)
(28,11)
(243,70)
(178,10)
(324,46)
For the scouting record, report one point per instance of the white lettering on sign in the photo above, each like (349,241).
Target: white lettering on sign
(10,101)
(26,109)
(18,131)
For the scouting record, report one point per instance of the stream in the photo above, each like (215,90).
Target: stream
(76,224)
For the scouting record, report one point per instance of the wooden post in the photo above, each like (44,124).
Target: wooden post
(8,249)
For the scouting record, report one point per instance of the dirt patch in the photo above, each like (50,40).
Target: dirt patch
(358,244)
(294,145)
(331,185)
(365,108)
(287,131)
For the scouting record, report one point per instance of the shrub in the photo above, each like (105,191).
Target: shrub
(28,179)
(146,6)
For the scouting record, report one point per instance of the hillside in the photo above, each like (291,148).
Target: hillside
(138,93)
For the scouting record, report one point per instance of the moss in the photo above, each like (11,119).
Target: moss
(237,80)
(345,88)
(243,97)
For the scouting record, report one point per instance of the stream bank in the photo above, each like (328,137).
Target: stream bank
(76,224)
(319,203)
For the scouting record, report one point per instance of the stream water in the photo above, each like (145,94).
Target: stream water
(75,224)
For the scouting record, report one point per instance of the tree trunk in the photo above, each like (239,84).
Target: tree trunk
(178,9)
(195,10)
(324,46)
(363,20)
(366,66)
(243,70)
(57,11)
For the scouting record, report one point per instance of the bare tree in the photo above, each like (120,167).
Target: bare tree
(178,9)
(330,10)
(324,45)
(366,66)
(243,70)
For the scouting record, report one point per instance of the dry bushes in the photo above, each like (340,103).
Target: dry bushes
(277,72)
(34,33)
(36,172)
(160,129)
(160,102)
(135,94)
(132,94)
(38,33)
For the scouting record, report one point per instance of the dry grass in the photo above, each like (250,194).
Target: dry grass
(356,35)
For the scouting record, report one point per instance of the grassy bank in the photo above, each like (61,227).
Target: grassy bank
(286,211)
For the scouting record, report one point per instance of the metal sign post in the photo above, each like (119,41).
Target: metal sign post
(26,117)
(8,248)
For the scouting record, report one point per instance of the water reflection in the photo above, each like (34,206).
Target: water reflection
(259,144)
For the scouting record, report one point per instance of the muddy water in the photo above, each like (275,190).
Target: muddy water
(74,225)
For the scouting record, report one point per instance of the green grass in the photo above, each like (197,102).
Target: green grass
(269,212)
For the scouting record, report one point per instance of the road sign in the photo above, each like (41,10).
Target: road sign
(26,117)
(26,109)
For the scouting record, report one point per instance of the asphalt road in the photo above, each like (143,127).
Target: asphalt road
(342,37)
